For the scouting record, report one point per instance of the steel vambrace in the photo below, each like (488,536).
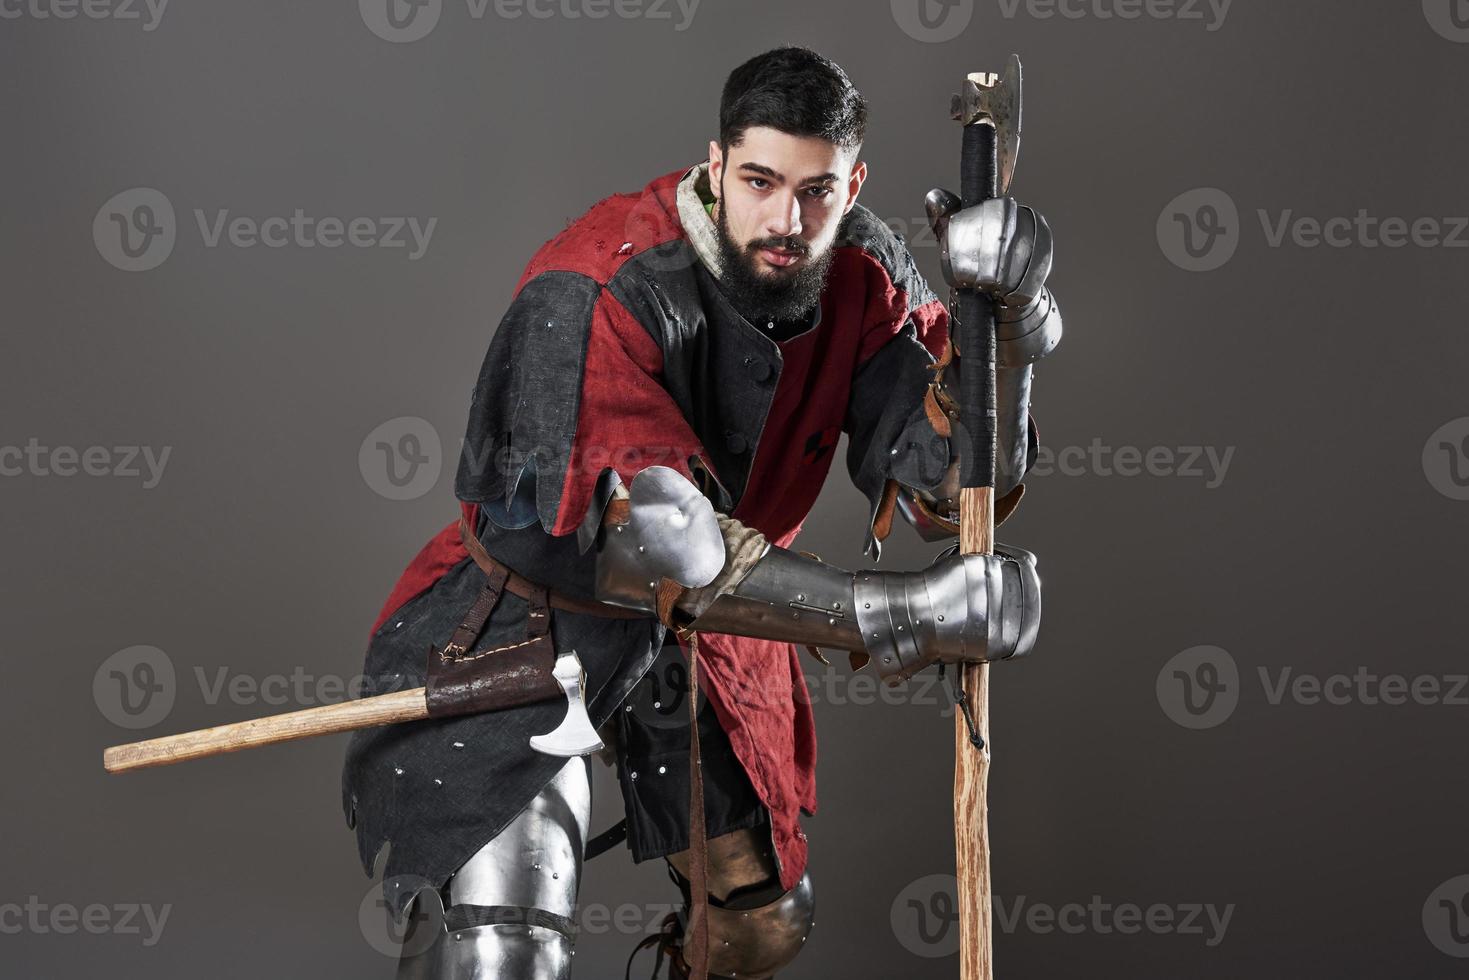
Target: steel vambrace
(961,609)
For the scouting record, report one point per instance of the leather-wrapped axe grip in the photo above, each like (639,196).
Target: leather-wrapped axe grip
(975,334)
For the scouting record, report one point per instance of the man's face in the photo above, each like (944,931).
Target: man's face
(781,200)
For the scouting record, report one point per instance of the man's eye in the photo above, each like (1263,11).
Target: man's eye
(757,180)
(820,192)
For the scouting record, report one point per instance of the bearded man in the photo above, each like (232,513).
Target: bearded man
(654,420)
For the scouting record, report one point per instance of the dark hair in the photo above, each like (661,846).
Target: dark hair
(796,91)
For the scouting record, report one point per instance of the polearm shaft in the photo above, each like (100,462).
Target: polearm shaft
(975,331)
(384,709)
(989,108)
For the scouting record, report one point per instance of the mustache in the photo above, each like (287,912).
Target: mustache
(784,244)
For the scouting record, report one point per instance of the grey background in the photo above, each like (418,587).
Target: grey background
(265,549)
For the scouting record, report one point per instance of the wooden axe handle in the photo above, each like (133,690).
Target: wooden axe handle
(385,709)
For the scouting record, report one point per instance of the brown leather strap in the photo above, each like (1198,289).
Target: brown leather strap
(479,614)
(524,588)
(698,931)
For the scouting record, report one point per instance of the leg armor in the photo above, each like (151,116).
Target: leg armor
(508,912)
(755,929)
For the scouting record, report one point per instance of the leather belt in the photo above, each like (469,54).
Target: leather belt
(525,588)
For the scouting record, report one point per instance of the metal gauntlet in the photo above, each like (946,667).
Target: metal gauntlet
(664,549)
(961,609)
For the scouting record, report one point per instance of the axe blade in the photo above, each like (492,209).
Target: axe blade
(575,735)
(993,99)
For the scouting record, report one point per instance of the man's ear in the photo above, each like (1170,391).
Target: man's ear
(716,167)
(854,185)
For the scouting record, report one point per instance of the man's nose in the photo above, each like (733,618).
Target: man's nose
(785,222)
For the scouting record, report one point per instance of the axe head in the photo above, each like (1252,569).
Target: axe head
(993,99)
(575,735)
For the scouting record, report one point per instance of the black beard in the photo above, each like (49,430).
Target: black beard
(760,298)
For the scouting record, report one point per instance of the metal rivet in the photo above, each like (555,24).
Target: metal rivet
(657,704)
(628,708)
(941,618)
(641,549)
(397,771)
(832,621)
(866,605)
(800,597)
(458,745)
(662,769)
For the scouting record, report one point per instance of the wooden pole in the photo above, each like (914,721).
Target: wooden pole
(385,709)
(971,772)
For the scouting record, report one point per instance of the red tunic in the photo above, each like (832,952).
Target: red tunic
(756,686)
